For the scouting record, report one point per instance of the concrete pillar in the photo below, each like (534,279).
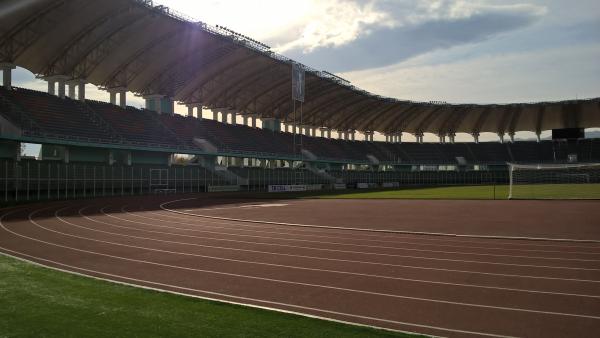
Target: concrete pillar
(77,85)
(399,137)
(61,87)
(199,112)
(123,99)
(245,121)
(328,133)
(353,135)
(215,114)
(113,97)
(51,86)
(234,118)
(153,103)
(81,91)
(7,74)
(253,121)
(159,107)
(190,109)
(71,93)
(451,137)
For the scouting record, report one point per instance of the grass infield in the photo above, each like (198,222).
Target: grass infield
(481,192)
(40,302)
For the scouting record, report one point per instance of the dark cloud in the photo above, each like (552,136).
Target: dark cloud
(386,46)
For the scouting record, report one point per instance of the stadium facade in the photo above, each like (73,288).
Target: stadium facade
(93,148)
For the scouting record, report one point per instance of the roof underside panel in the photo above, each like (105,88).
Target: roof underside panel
(144,49)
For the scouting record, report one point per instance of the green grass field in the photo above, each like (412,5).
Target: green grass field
(480,192)
(475,192)
(40,302)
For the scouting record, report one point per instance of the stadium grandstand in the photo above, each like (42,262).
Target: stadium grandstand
(122,193)
(121,46)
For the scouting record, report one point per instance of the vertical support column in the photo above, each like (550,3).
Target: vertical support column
(419,136)
(51,86)
(81,90)
(123,99)
(215,115)
(77,89)
(253,121)
(113,97)
(71,94)
(328,133)
(452,137)
(61,87)
(190,109)
(399,137)
(246,120)
(7,74)
(475,135)
(153,103)
(234,118)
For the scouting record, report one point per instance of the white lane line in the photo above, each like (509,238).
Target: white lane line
(247,206)
(280,281)
(387,235)
(206,224)
(35,261)
(272,253)
(573,240)
(293,266)
(367,253)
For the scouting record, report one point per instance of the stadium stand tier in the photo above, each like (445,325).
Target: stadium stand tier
(45,115)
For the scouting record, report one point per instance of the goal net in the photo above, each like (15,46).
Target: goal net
(554,181)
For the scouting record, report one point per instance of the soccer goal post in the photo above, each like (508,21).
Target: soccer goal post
(554,181)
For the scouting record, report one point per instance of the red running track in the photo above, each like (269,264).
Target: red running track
(437,285)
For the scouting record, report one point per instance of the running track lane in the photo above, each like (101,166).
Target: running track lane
(508,290)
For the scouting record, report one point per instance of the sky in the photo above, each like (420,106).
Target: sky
(480,51)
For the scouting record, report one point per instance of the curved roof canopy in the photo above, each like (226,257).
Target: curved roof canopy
(148,49)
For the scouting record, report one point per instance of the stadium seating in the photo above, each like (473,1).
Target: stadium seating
(62,118)
(51,117)
(136,126)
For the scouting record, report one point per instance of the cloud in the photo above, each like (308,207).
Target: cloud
(368,34)
(334,23)
(553,74)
